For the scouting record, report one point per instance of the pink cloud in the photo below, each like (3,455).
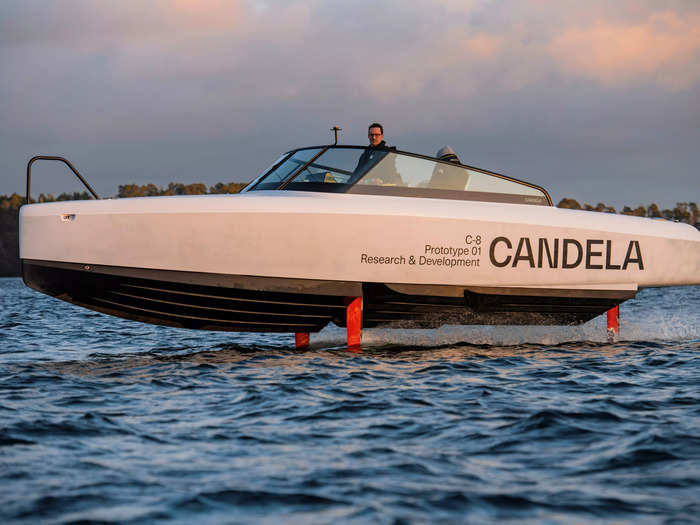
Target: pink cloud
(664,48)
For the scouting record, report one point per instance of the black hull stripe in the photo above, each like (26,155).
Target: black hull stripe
(194,317)
(212,296)
(215,309)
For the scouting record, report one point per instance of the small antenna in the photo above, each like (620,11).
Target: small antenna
(335,130)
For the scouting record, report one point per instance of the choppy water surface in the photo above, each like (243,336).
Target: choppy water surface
(108,421)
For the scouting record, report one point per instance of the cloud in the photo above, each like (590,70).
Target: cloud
(514,85)
(169,61)
(84,22)
(664,48)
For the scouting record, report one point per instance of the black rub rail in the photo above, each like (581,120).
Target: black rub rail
(60,159)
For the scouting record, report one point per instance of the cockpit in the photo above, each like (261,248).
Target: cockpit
(370,171)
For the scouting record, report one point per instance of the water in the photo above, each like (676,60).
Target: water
(107,421)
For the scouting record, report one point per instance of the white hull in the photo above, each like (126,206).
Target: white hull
(361,238)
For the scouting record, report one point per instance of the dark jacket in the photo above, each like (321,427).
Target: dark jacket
(370,156)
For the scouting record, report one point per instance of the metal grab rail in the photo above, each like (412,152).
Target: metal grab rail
(60,159)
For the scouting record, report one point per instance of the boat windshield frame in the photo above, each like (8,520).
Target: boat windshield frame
(288,181)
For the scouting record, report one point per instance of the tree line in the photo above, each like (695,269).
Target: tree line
(10,204)
(683,211)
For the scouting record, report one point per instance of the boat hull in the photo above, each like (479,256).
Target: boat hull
(288,261)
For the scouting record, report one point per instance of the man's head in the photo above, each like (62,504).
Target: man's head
(375,133)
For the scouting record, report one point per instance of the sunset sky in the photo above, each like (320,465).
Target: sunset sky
(596,100)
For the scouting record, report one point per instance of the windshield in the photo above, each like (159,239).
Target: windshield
(281,171)
(352,169)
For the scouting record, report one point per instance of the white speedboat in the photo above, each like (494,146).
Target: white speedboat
(422,242)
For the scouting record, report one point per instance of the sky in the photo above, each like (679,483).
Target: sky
(597,100)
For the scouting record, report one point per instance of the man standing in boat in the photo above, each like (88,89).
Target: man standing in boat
(372,154)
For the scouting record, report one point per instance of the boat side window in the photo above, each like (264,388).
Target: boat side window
(280,173)
(485,183)
(414,172)
(446,180)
